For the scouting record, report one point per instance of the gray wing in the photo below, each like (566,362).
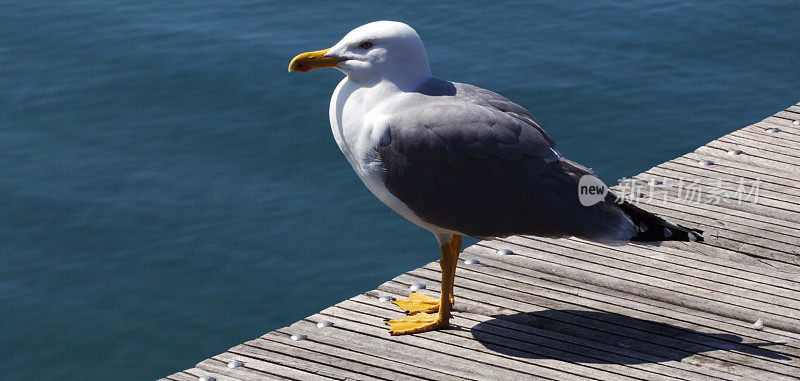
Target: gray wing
(476,163)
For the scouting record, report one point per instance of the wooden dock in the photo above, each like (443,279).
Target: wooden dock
(572,309)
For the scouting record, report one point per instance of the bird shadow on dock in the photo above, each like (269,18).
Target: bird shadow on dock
(603,337)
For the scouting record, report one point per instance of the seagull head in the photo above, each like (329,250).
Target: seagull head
(379,51)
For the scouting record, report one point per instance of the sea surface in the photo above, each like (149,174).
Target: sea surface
(168,190)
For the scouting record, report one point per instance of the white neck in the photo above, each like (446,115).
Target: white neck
(407,75)
(404,74)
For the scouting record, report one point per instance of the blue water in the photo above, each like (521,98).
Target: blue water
(168,191)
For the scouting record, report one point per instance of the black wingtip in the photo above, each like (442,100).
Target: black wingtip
(653,228)
(695,235)
(656,232)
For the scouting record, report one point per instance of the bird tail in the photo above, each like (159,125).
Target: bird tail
(654,228)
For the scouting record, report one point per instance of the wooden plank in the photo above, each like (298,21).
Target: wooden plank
(764,157)
(739,286)
(257,357)
(676,180)
(632,304)
(776,163)
(478,357)
(686,275)
(760,131)
(776,120)
(787,130)
(654,288)
(723,272)
(715,255)
(378,342)
(441,354)
(750,143)
(337,346)
(713,217)
(719,225)
(570,321)
(788,116)
(610,299)
(218,368)
(779,183)
(716,216)
(779,270)
(774,192)
(566,321)
(180,376)
(729,234)
(771,241)
(779,127)
(220,372)
(700,340)
(787,180)
(769,205)
(626,276)
(556,345)
(575,309)
(344,359)
(721,193)
(542,351)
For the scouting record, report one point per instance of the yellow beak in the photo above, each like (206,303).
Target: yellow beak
(313,60)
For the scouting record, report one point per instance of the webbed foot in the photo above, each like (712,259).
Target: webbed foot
(417,303)
(421,322)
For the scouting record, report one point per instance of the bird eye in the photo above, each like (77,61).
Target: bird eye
(365,45)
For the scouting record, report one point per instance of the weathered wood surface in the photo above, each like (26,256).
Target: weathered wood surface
(566,309)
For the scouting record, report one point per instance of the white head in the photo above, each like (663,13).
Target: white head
(379,51)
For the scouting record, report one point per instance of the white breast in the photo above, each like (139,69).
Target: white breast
(358,127)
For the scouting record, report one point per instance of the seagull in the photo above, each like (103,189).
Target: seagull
(456,160)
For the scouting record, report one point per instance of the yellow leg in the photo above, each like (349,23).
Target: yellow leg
(417,302)
(423,320)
